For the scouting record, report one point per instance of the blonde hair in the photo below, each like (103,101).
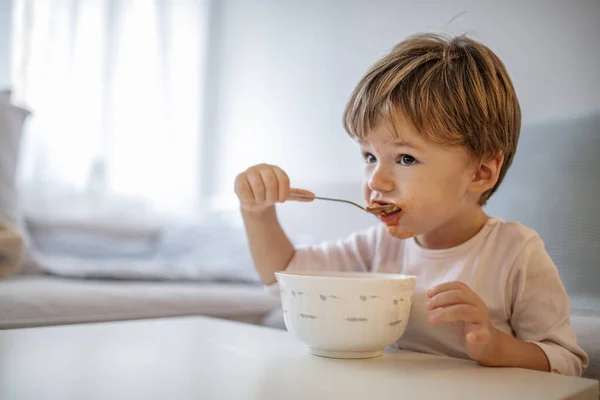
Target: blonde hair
(455,91)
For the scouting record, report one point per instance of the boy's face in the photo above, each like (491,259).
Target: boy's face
(430,182)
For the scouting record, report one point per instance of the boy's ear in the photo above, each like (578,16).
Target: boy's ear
(486,175)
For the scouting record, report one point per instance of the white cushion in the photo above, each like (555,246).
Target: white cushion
(45,300)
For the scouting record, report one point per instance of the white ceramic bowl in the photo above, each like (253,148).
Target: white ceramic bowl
(346,314)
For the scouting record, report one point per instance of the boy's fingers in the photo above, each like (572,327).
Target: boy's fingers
(243,190)
(301,192)
(271,185)
(459,312)
(449,298)
(284,184)
(257,186)
(444,287)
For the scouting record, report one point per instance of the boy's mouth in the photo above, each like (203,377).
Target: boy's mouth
(385,211)
(391,218)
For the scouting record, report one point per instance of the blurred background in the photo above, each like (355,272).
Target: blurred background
(153,106)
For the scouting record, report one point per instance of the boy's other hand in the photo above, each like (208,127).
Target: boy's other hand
(263,185)
(457,304)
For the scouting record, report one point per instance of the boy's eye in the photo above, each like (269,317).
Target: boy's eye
(406,160)
(369,158)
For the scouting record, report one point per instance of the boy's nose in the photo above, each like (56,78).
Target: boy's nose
(381,181)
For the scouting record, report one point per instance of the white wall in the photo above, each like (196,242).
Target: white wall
(282,71)
(5,27)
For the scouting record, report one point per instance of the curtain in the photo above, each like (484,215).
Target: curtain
(115,89)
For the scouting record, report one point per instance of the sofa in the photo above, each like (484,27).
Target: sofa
(48,290)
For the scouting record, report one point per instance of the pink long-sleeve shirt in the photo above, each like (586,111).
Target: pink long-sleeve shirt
(505,263)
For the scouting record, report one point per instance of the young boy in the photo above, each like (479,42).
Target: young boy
(438,121)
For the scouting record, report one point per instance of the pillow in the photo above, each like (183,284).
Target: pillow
(92,238)
(11,246)
(12,120)
(209,249)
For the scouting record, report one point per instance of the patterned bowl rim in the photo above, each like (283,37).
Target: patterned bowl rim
(350,276)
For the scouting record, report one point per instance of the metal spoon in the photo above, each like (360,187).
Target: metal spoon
(385,209)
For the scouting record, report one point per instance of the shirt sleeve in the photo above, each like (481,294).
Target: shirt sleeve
(540,312)
(353,254)
(11,248)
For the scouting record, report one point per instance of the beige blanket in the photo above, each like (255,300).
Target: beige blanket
(11,250)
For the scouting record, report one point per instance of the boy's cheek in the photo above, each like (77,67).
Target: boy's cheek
(426,198)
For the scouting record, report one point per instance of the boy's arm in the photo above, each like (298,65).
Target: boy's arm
(540,315)
(513,352)
(259,188)
(270,247)
(539,305)
(272,251)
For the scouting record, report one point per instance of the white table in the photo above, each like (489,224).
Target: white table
(204,359)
